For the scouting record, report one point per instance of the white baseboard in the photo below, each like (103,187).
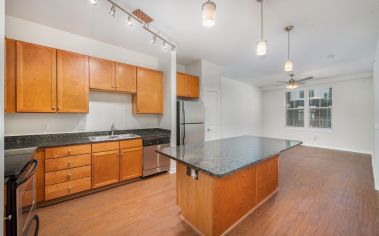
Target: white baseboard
(340,149)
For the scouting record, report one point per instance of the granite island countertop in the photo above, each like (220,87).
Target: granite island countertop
(63,139)
(225,156)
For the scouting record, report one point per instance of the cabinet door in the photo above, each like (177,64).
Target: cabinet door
(193,86)
(72,82)
(125,78)
(131,163)
(149,97)
(181,85)
(36,78)
(105,168)
(10,76)
(101,74)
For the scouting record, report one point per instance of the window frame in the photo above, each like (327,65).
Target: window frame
(307,109)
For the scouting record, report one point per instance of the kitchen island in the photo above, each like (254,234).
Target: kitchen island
(220,182)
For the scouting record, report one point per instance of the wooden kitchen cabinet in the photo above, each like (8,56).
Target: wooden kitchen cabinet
(35,78)
(101,74)
(193,86)
(187,86)
(149,96)
(125,80)
(131,163)
(105,168)
(181,84)
(72,82)
(10,76)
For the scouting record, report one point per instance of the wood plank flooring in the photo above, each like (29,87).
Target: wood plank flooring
(322,192)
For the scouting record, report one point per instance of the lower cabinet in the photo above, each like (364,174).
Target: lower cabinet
(72,169)
(105,168)
(131,163)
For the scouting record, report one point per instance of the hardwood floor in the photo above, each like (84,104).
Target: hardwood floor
(322,192)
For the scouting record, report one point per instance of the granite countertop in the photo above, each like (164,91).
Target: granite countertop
(223,157)
(62,139)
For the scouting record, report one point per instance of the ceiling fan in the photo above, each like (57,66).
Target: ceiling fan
(292,83)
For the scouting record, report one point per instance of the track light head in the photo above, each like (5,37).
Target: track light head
(164,45)
(130,21)
(112,12)
(93,2)
(153,39)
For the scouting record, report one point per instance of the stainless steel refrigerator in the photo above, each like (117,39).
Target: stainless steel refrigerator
(190,122)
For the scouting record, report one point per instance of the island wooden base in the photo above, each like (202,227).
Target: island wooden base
(213,205)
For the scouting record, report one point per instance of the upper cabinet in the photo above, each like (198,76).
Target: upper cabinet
(112,76)
(47,80)
(10,76)
(149,96)
(36,78)
(187,86)
(101,74)
(125,79)
(72,82)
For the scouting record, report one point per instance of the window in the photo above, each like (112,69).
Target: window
(295,109)
(320,108)
(313,105)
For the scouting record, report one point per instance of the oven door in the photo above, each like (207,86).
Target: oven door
(27,220)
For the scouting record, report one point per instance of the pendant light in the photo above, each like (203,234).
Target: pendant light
(209,13)
(288,66)
(261,45)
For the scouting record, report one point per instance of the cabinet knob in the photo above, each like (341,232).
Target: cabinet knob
(69,188)
(53,108)
(69,163)
(69,176)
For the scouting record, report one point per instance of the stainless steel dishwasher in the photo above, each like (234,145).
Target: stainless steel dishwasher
(153,162)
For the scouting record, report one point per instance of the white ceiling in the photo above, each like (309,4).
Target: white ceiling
(347,29)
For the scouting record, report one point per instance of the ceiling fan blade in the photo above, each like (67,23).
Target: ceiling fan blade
(302,83)
(283,82)
(301,80)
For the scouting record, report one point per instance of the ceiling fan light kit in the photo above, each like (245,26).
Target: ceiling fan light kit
(209,13)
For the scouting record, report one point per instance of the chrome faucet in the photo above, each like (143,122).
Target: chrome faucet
(113,128)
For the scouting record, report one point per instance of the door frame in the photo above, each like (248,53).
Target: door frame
(218,91)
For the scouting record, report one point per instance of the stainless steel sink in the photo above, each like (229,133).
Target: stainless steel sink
(112,137)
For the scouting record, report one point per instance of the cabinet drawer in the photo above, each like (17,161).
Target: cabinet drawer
(67,175)
(67,151)
(67,188)
(131,143)
(108,146)
(67,162)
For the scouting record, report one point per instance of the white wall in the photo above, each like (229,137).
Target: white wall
(241,109)
(105,108)
(352,117)
(375,159)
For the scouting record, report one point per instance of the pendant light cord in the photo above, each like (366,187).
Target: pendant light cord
(262,20)
(289,44)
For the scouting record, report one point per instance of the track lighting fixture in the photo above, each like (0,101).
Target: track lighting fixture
(130,21)
(288,66)
(261,45)
(112,12)
(134,18)
(209,13)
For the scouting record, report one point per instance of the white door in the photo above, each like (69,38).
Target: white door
(212,114)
